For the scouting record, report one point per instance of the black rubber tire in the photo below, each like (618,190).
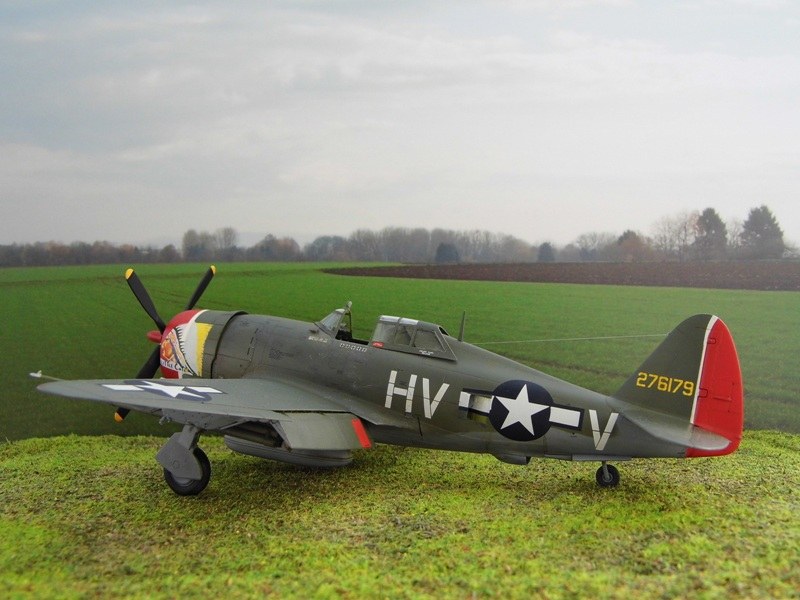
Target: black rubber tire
(191,487)
(612,480)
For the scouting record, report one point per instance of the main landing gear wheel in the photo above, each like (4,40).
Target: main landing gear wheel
(191,487)
(607,476)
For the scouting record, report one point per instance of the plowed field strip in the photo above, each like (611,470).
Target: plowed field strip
(743,275)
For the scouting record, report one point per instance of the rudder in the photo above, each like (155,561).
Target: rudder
(719,405)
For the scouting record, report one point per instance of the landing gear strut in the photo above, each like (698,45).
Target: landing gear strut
(607,475)
(187,469)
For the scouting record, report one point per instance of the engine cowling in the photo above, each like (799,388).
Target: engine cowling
(190,340)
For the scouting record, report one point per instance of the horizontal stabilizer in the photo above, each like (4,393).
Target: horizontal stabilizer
(674,431)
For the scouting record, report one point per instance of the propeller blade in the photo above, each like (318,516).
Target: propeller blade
(201,287)
(147,371)
(144,299)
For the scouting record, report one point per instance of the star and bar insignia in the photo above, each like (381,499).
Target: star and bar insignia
(180,392)
(524,411)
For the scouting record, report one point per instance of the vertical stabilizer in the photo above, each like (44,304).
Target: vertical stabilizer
(693,375)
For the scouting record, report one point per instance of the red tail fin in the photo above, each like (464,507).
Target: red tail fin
(719,403)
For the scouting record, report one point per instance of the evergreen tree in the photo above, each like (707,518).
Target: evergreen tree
(632,247)
(711,240)
(447,253)
(761,236)
(546,253)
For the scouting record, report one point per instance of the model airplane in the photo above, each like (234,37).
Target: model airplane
(311,393)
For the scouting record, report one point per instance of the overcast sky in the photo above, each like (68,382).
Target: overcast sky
(133,122)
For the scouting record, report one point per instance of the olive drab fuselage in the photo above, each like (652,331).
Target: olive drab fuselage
(443,388)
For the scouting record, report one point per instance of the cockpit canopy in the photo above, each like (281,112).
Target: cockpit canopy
(392,333)
(410,335)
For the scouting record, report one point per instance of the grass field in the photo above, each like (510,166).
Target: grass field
(83,322)
(92,517)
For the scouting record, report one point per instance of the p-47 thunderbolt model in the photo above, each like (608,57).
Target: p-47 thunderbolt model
(311,393)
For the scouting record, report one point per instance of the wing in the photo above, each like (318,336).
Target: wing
(304,415)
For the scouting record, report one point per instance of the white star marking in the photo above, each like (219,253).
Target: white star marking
(173,391)
(170,390)
(520,410)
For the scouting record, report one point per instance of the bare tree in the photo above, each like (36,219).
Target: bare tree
(593,245)
(328,247)
(199,246)
(419,245)
(366,246)
(686,230)
(734,228)
(226,239)
(674,236)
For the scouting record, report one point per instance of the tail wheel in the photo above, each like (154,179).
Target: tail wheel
(191,487)
(607,476)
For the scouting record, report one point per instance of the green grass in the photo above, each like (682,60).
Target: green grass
(83,322)
(91,516)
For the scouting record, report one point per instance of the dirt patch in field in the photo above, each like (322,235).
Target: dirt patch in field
(742,275)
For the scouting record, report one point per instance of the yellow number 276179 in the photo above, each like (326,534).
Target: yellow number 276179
(662,383)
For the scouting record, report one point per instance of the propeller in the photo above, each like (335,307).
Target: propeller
(150,367)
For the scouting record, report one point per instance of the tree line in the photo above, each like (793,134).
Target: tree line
(697,236)
(391,244)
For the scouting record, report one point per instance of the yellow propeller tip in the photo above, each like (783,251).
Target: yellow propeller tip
(118,417)
(128,273)
(213,269)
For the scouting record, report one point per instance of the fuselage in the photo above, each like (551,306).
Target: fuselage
(435,392)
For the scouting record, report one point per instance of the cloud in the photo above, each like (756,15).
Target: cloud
(252,111)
